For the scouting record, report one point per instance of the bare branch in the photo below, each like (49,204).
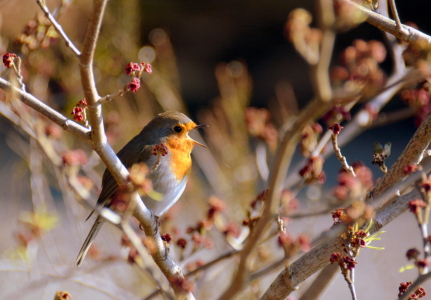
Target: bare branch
(58,28)
(337,150)
(285,153)
(407,34)
(396,17)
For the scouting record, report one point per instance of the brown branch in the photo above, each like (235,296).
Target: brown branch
(392,117)
(213,262)
(98,141)
(340,157)
(407,34)
(98,138)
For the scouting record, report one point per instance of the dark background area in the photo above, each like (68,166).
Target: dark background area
(205,33)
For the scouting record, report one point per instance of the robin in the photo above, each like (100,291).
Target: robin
(168,173)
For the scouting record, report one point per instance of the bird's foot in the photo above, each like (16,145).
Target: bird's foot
(167,250)
(156,223)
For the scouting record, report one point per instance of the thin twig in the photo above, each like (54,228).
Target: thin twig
(352,288)
(213,262)
(392,117)
(340,157)
(58,28)
(152,295)
(109,97)
(17,68)
(396,17)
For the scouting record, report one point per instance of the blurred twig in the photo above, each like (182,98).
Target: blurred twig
(58,27)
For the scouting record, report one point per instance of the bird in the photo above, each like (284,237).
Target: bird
(169,173)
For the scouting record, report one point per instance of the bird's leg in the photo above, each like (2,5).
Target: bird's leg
(156,221)
(167,250)
(165,256)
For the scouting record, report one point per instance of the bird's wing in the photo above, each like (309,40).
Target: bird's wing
(128,157)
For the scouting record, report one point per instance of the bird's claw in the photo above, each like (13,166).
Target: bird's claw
(157,223)
(167,250)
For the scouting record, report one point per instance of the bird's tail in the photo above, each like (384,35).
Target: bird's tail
(89,240)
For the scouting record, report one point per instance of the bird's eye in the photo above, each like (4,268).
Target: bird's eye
(178,129)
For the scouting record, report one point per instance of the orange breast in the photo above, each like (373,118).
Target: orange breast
(181,162)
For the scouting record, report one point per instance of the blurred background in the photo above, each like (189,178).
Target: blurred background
(227,64)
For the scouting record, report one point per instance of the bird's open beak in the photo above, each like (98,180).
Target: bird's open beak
(197,127)
(197,143)
(200,126)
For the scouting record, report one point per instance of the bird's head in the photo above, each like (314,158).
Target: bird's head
(174,127)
